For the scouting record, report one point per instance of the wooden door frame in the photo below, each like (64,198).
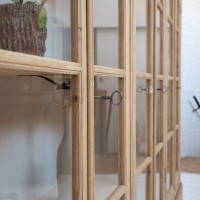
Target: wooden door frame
(84,71)
(147,76)
(164,77)
(13,64)
(123,190)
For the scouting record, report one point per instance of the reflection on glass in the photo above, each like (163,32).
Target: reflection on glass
(158,175)
(169,50)
(141,36)
(169,164)
(159,126)
(141,120)
(58,43)
(158,41)
(141,186)
(106,138)
(169,106)
(106,33)
(35,139)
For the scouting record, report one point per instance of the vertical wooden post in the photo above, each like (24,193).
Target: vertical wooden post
(90,117)
(124,156)
(132,58)
(82,59)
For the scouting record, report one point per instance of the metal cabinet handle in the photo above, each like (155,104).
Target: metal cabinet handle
(148,89)
(163,89)
(112,97)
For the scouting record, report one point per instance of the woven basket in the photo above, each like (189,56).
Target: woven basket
(19,31)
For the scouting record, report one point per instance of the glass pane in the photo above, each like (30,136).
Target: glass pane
(141,119)
(141,186)
(141,36)
(158,175)
(169,106)
(169,164)
(51,40)
(106,33)
(158,42)
(169,50)
(159,126)
(35,139)
(169,7)
(58,44)
(107,130)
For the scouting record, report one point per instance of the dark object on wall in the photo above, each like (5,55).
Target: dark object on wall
(59,86)
(197,102)
(19,30)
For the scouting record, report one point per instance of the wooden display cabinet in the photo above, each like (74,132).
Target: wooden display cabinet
(126,152)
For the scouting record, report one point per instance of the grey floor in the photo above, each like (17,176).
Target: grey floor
(191,186)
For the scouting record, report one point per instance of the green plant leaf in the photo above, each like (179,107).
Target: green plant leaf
(16,1)
(43,2)
(31,2)
(42,18)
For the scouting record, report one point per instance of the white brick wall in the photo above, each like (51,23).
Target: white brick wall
(190,122)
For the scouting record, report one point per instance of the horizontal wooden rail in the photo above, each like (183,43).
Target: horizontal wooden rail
(160,77)
(170,78)
(143,165)
(32,64)
(118,193)
(169,135)
(160,6)
(170,20)
(159,147)
(17,69)
(144,75)
(177,29)
(108,72)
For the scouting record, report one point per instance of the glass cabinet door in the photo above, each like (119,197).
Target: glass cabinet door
(142,119)
(109,87)
(143,87)
(141,187)
(95,114)
(107,137)
(37,141)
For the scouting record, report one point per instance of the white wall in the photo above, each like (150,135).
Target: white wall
(190,122)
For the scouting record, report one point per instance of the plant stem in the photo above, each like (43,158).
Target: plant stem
(37,2)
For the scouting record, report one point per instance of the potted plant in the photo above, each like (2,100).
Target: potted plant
(23,27)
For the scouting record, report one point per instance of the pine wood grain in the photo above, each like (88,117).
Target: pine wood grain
(190,164)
